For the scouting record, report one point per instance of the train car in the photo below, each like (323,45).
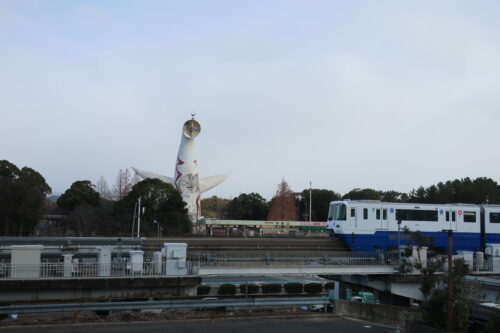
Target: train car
(490,218)
(369,225)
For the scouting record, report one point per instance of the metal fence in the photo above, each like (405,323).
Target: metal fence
(291,259)
(87,270)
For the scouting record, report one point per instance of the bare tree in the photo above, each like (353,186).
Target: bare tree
(283,205)
(103,189)
(123,185)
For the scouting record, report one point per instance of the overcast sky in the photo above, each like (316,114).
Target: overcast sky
(346,94)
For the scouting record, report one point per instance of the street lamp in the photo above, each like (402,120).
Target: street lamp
(159,227)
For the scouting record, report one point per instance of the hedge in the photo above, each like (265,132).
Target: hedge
(294,288)
(329,285)
(313,288)
(271,288)
(252,288)
(203,290)
(227,289)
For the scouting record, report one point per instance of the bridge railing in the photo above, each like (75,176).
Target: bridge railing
(86,270)
(291,259)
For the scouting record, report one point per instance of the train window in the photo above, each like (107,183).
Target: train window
(339,212)
(453,216)
(330,213)
(494,217)
(384,214)
(365,213)
(469,216)
(353,212)
(378,214)
(416,215)
(447,216)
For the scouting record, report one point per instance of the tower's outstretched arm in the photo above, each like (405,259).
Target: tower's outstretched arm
(208,183)
(146,174)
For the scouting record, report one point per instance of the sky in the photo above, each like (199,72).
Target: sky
(389,95)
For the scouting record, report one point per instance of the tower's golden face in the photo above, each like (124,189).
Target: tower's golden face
(191,129)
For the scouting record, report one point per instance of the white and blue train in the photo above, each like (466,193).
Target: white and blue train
(368,225)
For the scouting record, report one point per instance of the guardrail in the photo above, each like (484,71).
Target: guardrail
(163,305)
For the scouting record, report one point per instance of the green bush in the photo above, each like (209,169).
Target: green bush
(252,288)
(329,285)
(271,288)
(294,288)
(313,288)
(227,289)
(203,290)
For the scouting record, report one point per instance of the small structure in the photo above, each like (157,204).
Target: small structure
(25,261)
(175,256)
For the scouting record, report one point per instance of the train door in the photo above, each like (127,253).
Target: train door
(451,218)
(352,218)
(384,224)
(381,216)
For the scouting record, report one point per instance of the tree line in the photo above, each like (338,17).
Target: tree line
(95,210)
(252,206)
(91,210)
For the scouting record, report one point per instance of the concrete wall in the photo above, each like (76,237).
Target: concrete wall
(96,288)
(381,313)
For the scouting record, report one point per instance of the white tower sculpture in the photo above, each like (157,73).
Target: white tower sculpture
(186,172)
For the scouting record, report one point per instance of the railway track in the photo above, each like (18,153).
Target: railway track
(220,244)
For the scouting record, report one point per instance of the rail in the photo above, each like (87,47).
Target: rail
(164,305)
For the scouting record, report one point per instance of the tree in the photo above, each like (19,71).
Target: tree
(103,189)
(283,206)
(465,190)
(214,207)
(363,194)
(162,203)
(320,203)
(435,308)
(124,183)
(80,201)
(22,197)
(434,286)
(80,193)
(247,207)
(394,196)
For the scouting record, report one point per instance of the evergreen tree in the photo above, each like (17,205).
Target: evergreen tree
(22,197)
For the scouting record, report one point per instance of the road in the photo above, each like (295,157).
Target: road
(306,325)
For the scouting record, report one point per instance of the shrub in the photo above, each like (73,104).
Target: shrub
(294,288)
(494,322)
(203,290)
(271,288)
(252,288)
(329,285)
(227,289)
(313,288)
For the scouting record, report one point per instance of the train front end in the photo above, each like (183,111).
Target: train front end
(337,220)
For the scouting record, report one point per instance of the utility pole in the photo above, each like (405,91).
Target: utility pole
(310,201)
(450,281)
(139,219)
(399,242)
